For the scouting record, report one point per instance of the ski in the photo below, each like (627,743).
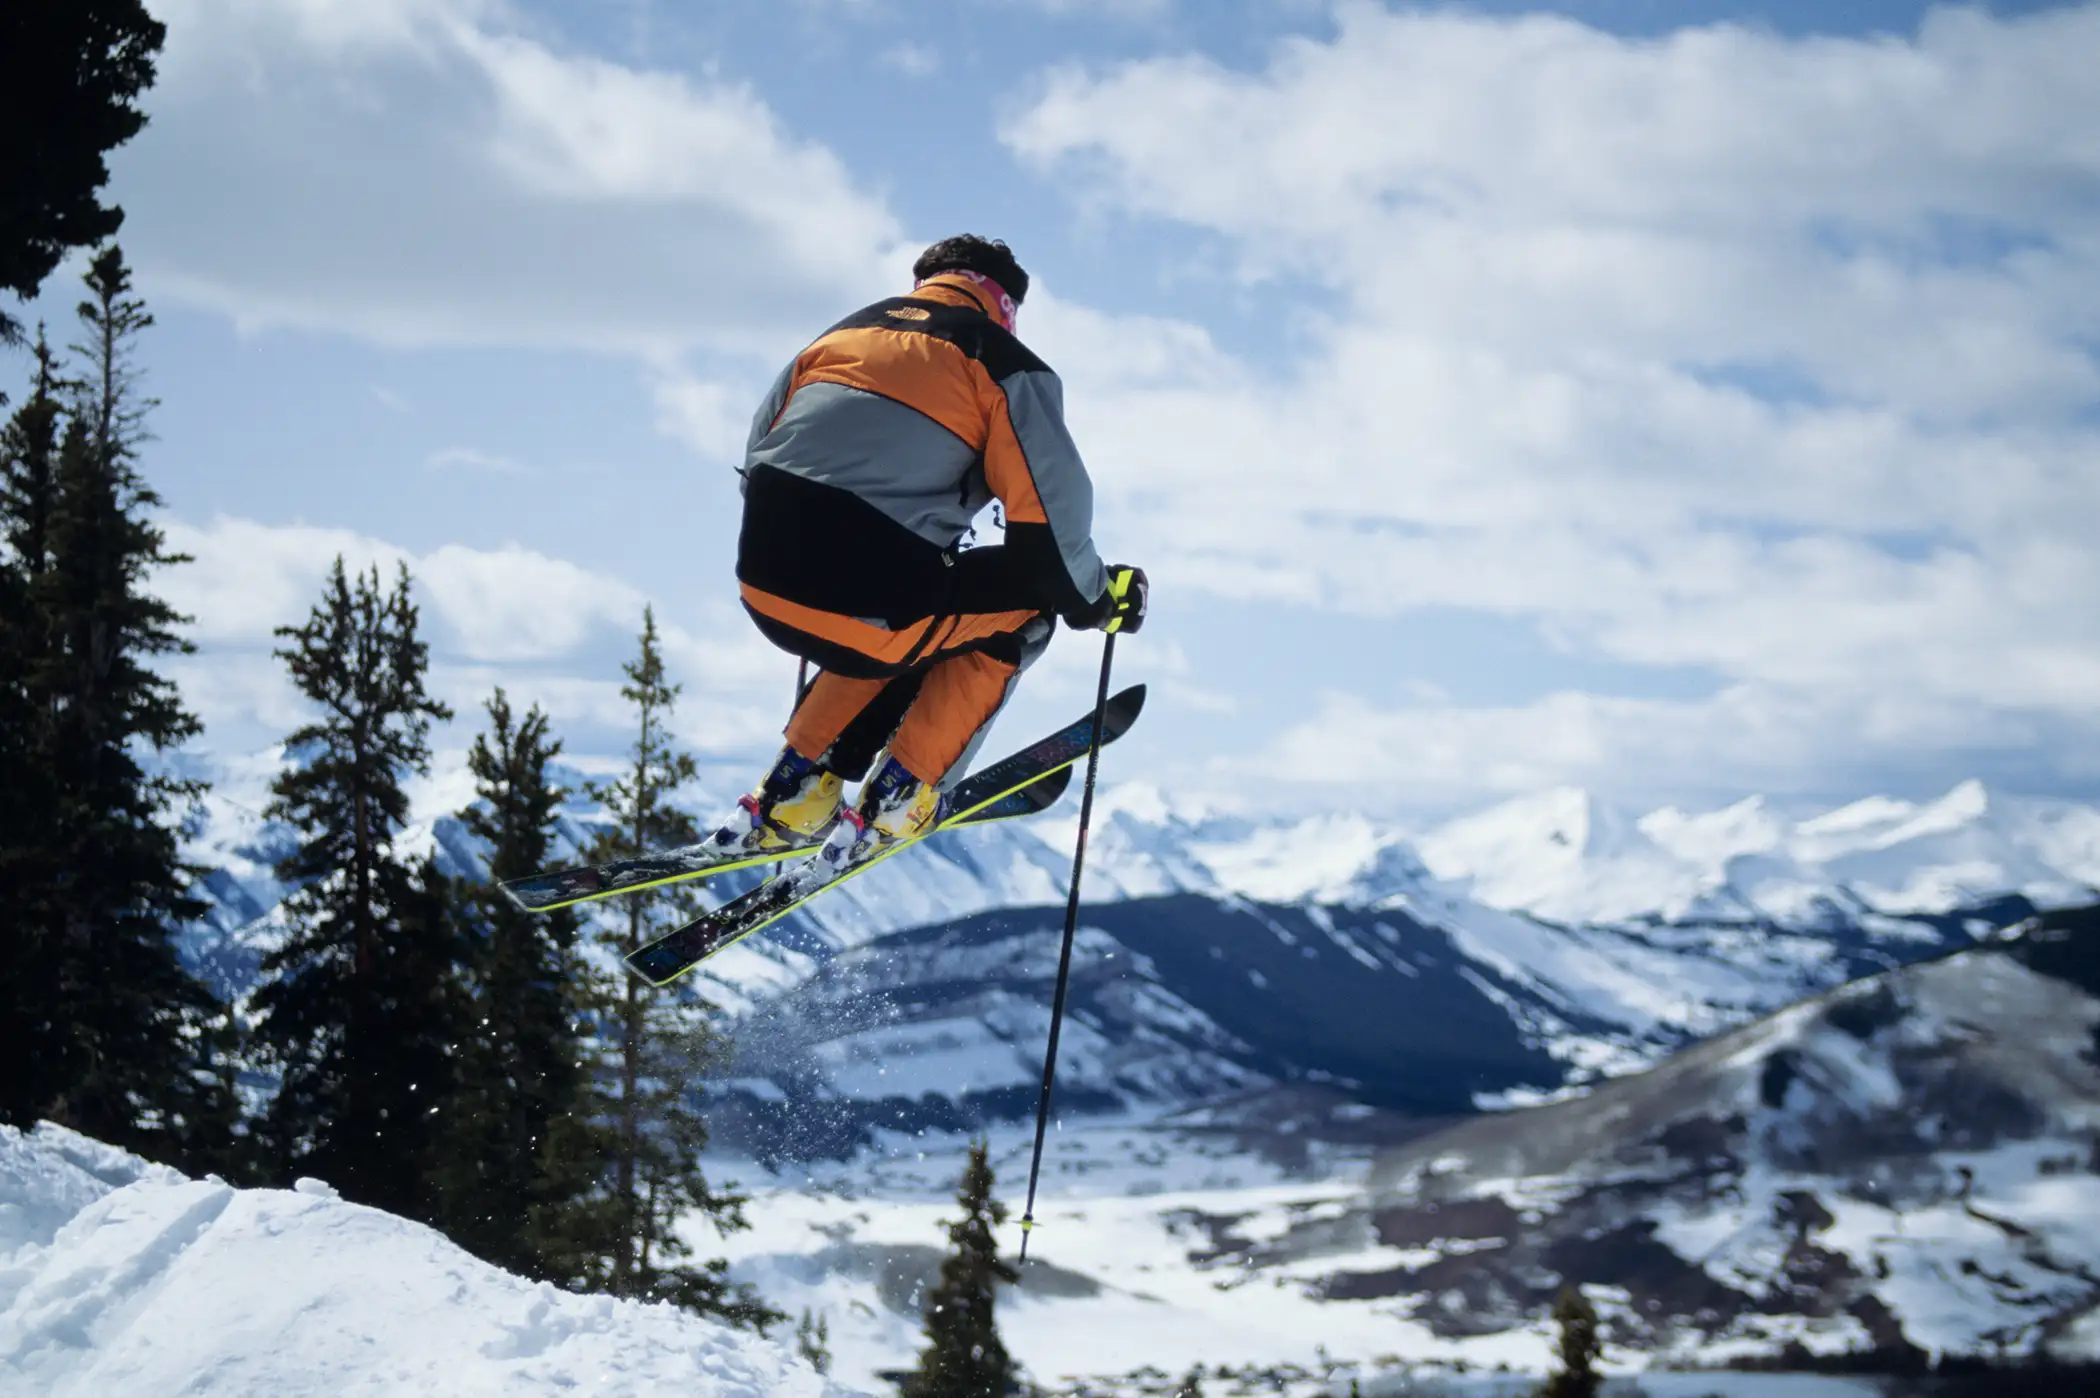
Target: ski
(1021,777)
(561,888)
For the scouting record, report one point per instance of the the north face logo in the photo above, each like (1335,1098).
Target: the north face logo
(910,313)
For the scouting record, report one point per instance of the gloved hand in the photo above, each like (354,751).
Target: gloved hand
(1122,607)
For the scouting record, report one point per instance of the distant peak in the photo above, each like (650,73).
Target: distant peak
(1555,824)
(1710,839)
(1969,798)
(1859,815)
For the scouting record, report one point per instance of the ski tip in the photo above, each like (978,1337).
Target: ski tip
(530,895)
(540,893)
(1125,706)
(656,964)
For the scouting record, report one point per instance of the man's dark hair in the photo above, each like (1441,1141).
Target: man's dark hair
(967,252)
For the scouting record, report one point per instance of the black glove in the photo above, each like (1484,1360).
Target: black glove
(1122,607)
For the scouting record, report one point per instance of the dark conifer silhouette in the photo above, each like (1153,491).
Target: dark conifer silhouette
(964,1357)
(813,1340)
(521,1160)
(658,1043)
(31,1030)
(362,1005)
(70,77)
(1578,1348)
(29,463)
(118,1027)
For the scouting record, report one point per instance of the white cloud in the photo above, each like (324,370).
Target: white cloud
(417,172)
(507,604)
(246,579)
(1743,739)
(709,416)
(1760,356)
(514,604)
(1769,357)
(548,630)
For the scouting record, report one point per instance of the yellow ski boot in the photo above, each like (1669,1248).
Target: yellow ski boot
(894,807)
(795,807)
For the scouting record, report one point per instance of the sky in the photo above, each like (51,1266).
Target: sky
(1680,401)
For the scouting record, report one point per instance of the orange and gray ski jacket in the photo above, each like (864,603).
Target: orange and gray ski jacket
(879,445)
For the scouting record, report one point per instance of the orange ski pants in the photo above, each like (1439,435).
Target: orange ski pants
(947,679)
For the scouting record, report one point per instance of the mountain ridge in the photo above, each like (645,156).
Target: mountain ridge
(1219,928)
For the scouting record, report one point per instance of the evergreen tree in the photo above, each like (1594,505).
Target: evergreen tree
(31,1027)
(964,1357)
(122,1049)
(1578,1348)
(813,1340)
(362,1006)
(658,1045)
(521,1159)
(29,464)
(70,77)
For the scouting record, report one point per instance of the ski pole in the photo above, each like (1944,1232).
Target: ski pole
(1064,956)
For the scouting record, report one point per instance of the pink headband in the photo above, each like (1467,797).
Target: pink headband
(1003,308)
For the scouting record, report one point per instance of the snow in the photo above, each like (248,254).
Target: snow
(1714,837)
(121,1277)
(1564,855)
(1317,858)
(1111,1284)
(1962,1274)
(1125,1270)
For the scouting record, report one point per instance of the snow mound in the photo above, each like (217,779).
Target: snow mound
(117,1276)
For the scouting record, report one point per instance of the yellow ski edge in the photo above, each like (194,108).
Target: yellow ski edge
(763,857)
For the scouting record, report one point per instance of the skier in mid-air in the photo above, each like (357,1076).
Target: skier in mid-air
(869,459)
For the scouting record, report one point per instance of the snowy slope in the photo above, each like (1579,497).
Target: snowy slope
(1878,869)
(1178,1000)
(121,1277)
(1137,1273)
(1230,972)
(1912,1161)
(1566,856)
(1658,929)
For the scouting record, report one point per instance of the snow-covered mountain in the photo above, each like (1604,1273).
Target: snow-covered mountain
(1908,1162)
(1494,959)
(1268,1129)
(1560,856)
(117,1276)
(1565,856)
(1423,973)
(1912,1161)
